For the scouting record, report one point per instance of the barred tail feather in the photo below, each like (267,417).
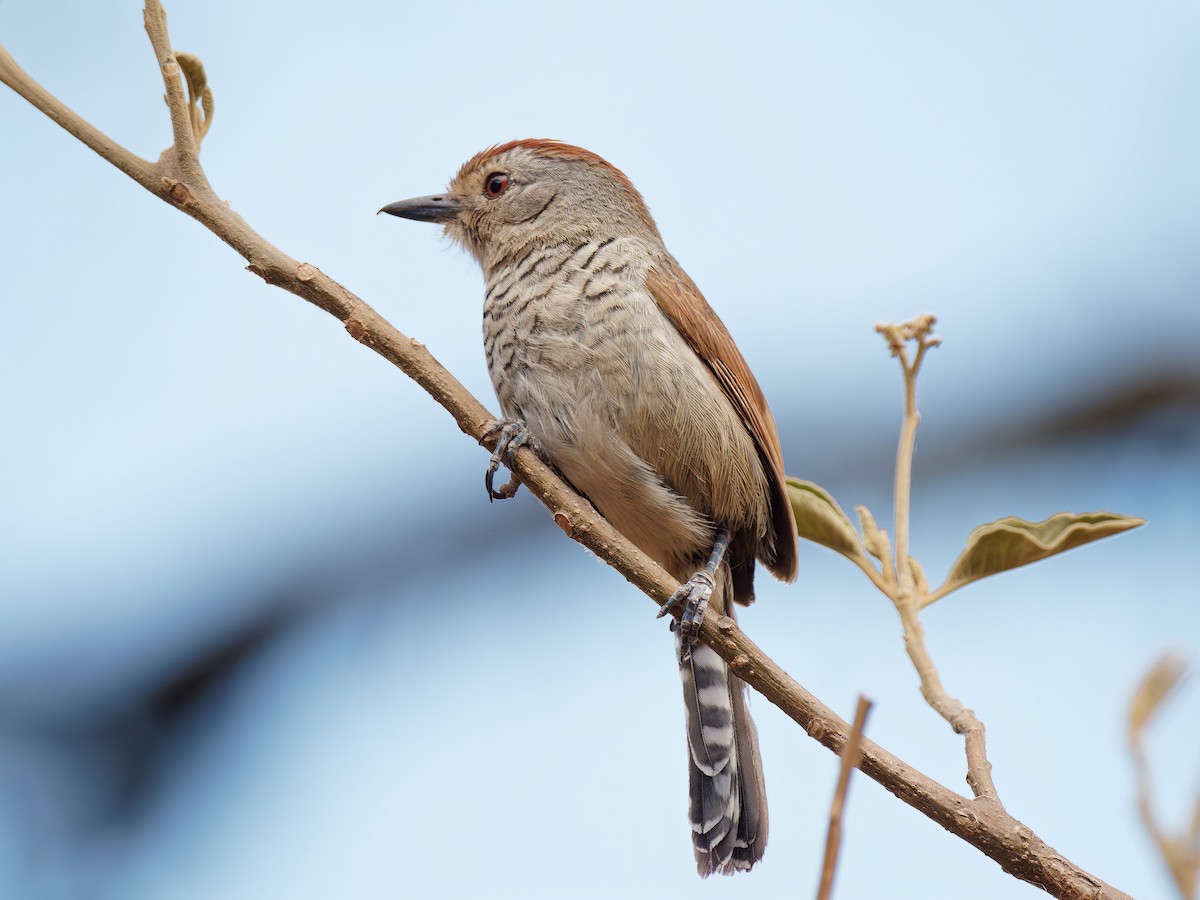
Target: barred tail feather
(728,808)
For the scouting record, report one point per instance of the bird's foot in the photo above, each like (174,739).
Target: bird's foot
(512,436)
(693,594)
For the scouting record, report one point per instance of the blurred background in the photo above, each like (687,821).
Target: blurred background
(261,634)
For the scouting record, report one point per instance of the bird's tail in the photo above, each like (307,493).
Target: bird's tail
(728,807)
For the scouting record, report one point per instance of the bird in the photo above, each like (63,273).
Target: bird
(607,360)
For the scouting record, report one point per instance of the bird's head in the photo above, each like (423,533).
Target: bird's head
(529,193)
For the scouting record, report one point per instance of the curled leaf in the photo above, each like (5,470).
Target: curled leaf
(200,95)
(1011,542)
(821,520)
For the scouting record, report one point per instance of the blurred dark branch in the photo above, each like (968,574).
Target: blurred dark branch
(1124,406)
(1157,402)
(178,179)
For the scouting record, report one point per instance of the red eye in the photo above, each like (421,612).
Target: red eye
(496,184)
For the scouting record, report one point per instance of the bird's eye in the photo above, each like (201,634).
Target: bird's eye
(496,184)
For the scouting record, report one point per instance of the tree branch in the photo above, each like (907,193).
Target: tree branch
(179,179)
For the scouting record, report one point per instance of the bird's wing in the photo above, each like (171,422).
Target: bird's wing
(695,320)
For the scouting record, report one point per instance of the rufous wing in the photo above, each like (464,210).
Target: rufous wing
(695,320)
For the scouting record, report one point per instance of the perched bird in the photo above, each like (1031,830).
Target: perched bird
(607,357)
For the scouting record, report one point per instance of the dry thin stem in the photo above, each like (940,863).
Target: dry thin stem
(851,755)
(910,592)
(179,180)
(1180,852)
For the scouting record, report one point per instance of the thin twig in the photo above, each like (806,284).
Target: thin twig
(185,149)
(903,486)
(961,719)
(909,596)
(1013,846)
(851,755)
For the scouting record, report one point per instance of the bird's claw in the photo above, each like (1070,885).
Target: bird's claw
(512,436)
(693,594)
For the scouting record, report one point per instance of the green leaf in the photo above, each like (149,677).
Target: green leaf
(1011,542)
(821,520)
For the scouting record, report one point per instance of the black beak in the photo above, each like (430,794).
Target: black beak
(438,208)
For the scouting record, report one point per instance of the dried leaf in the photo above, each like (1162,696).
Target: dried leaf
(1011,542)
(821,520)
(874,537)
(1180,851)
(921,582)
(1159,682)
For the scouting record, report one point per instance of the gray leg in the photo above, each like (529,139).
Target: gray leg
(694,594)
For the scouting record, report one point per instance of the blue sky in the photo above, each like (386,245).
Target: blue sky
(185,451)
